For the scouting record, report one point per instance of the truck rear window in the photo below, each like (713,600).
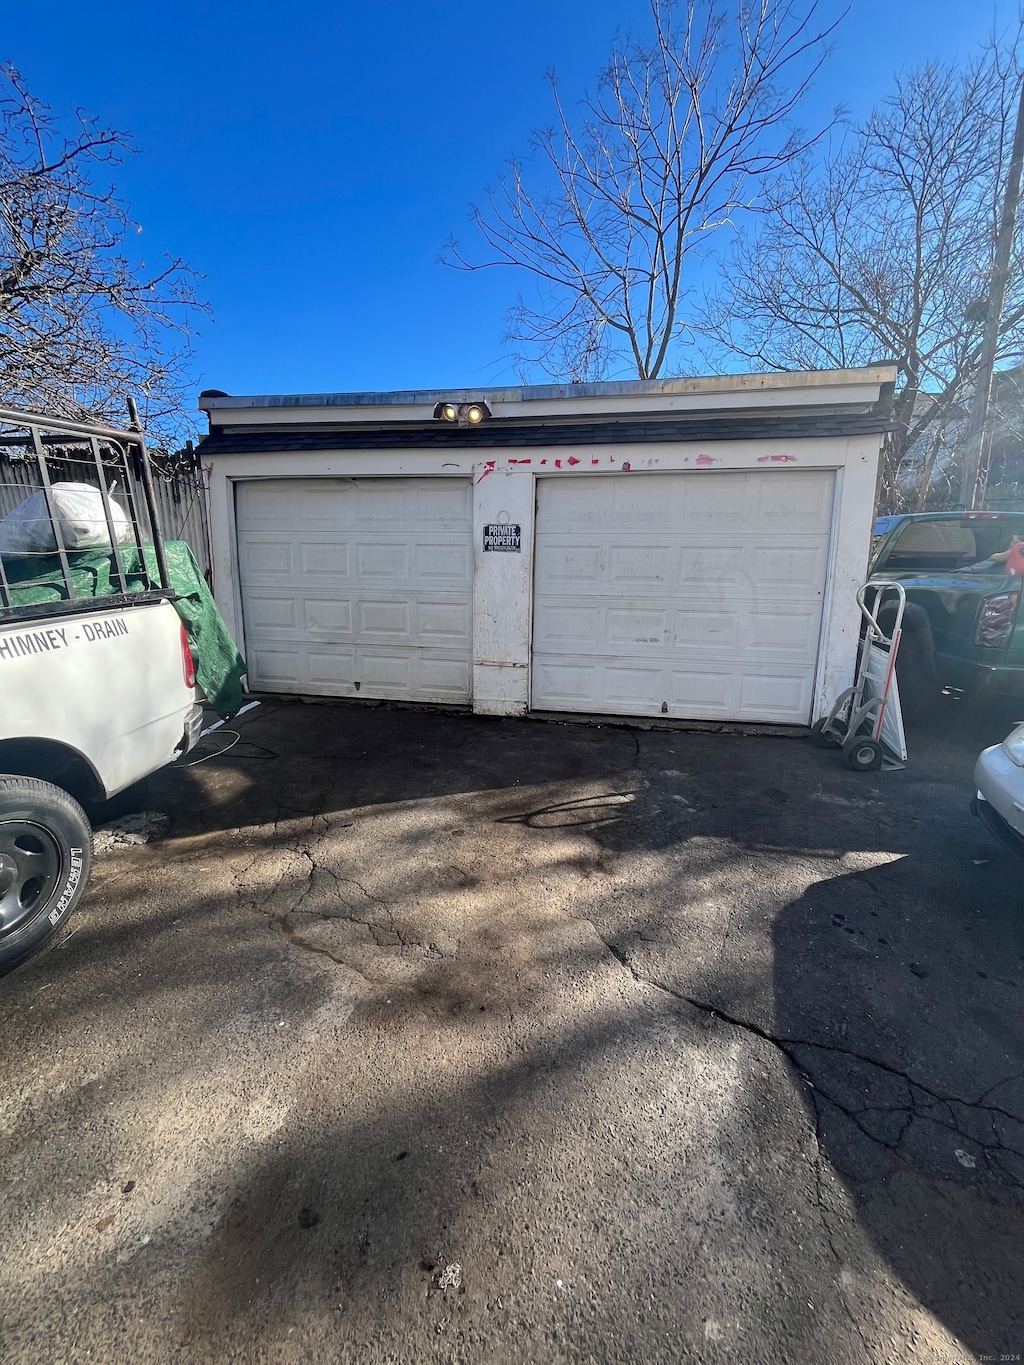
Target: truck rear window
(945,545)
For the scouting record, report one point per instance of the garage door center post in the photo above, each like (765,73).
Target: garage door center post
(503,508)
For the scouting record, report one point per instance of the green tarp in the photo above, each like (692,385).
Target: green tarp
(219,666)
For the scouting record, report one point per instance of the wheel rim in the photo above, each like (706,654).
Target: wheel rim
(865,754)
(30,865)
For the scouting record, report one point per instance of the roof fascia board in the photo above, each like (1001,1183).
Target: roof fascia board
(458,441)
(582,420)
(827,387)
(862,397)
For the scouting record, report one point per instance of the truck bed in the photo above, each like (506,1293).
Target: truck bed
(38,592)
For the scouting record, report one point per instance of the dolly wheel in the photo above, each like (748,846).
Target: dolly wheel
(863,755)
(823,739)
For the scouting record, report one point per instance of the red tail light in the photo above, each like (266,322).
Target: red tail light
(995,620)
(186,661)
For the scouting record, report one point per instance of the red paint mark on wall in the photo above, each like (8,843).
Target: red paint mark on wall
(783,459)
(572,460)
(763,459)
(487,469)
(595,460)
(626,466)
(558,464)
(520,462)
(706,459)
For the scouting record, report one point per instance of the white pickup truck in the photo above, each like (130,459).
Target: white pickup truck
(97,683)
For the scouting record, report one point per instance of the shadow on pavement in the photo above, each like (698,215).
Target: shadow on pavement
(910,1060)
(548,1004)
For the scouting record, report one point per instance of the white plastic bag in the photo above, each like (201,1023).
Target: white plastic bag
(78,508)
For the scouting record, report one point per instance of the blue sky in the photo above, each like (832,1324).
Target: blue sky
(311,159)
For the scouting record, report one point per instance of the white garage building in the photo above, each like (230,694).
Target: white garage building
(681,548)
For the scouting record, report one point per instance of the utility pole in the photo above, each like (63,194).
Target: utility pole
(997,297)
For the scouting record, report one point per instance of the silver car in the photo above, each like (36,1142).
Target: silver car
(999,782)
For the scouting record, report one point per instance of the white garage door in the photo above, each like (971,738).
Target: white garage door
(690,595)
(358,587)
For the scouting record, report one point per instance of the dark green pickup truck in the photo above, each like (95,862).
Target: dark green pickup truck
(962,627)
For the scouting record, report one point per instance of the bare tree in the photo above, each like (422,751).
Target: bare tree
(81,322)
(883,248)
(680,134)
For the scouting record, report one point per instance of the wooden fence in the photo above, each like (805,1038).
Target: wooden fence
(179,485)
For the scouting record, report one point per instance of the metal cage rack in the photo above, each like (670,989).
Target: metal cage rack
(34,447)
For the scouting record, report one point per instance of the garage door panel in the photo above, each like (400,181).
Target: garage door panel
(328,670)
(700,565)
(274,611)
(568,563)
(274,665)
(448,678)
(380,577)
(777,692)
(635,627)
(443,622)
(576,623)
(800,497)
(789,566)
(441,501)
(267,502)
(386,675)
(781,632)
(561,683)
(444,563)
(571,685)
(688,594)
(702,693)
(325,557)
(265,556)
(388,560)
(311,505)
(383,618)
(631,685)
(385,670)
(640,564)
(703,501)
(706,630)
(328,616)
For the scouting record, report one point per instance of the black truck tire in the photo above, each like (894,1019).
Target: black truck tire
(918,679)
(45,860)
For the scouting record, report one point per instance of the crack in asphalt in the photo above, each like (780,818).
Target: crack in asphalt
(789,1048)
(307,846)
(922,1101)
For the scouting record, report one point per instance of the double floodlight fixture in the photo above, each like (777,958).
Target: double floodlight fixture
(462,414)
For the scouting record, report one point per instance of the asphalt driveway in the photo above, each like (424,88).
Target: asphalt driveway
(426,1037)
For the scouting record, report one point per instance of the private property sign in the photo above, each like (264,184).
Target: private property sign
(503,536)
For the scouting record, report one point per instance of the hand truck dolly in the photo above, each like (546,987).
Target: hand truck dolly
(867,720)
